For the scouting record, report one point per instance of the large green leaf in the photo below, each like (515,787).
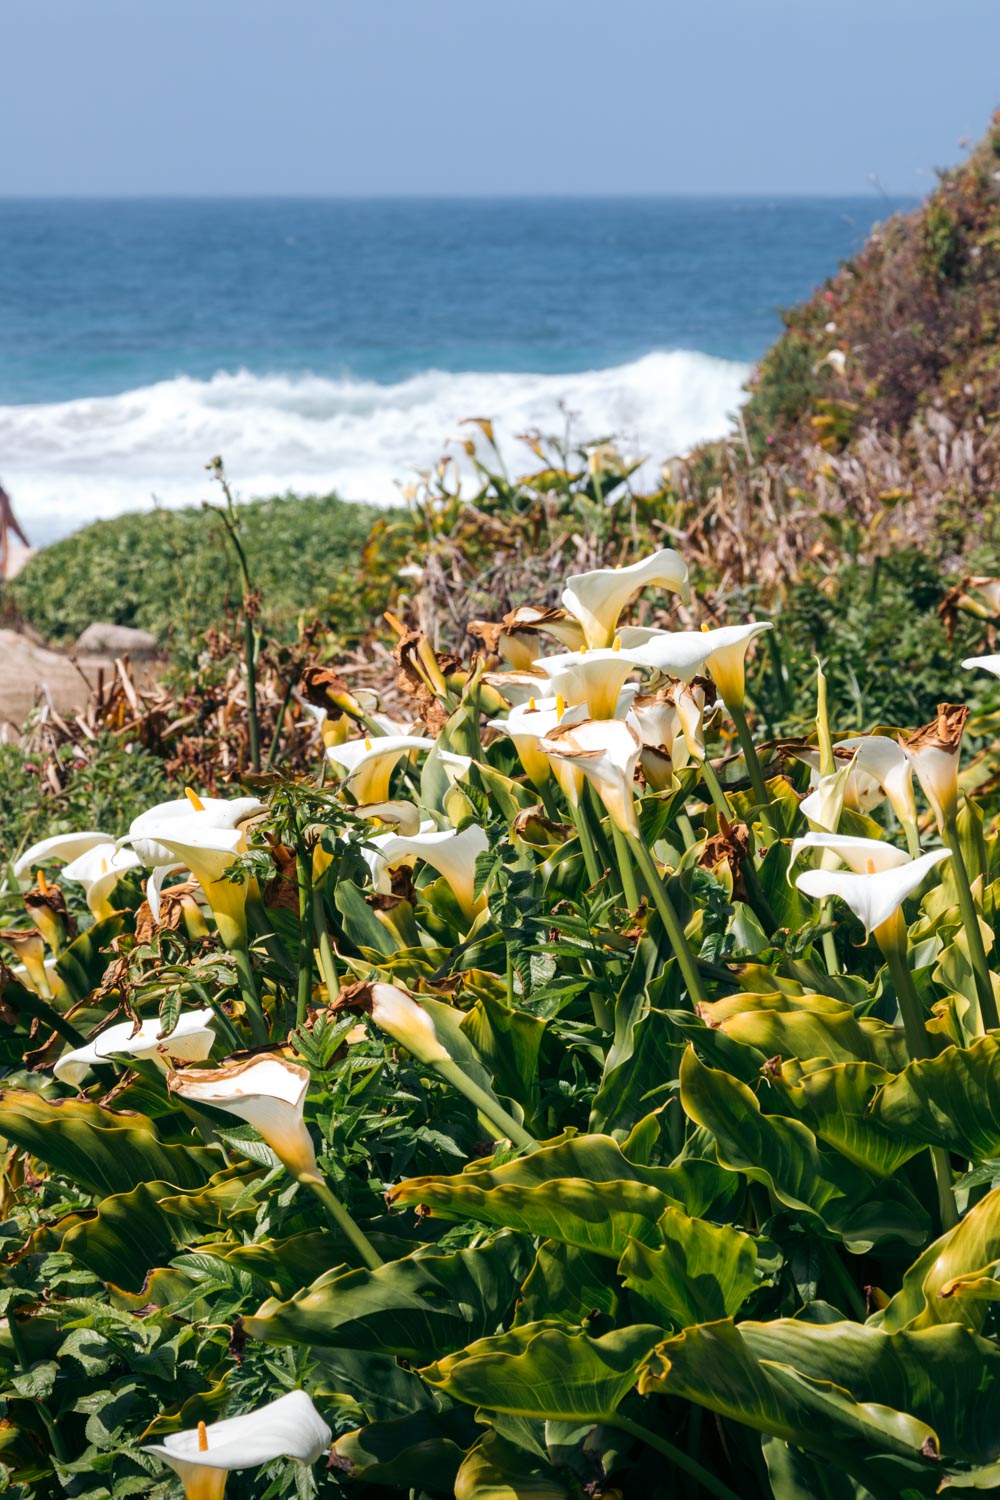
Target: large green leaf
(498,1470)
(699,1273)
(544,1370)
(582,1192)
(785,1155)
(571,1283)
(103,1151)
(810,1026)
(639,1063)
(129,1235)
(419,1451)
(952,1100)
(508,1041)
(944,1284)
(845,1391)
(411,1308)
(833,1102)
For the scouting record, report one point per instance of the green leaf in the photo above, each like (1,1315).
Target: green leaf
(807,1027)
(582,1192)
(952,1100)
(543,1370)
(806,1177)
(128,1236)
(360,923)
(844,1391)
(419,1451)
(498,1470)
(570,1282)
(700,1272)
(104,1152)
(834,1103)
(81,965)
(411,1308)
(943,1285)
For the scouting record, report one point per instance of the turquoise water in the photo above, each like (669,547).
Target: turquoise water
(336,344)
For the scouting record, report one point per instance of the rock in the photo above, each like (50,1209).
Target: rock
(102,639)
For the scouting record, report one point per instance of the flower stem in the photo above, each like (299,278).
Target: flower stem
(304,986)
(973,933)
(753,770)
(341,1219)
(490,1108)
(675,932)
(625,869)
(586,843)
(890,940)
(327,962)
(691,1466)
(232,1036)
(251,998)
(714,785)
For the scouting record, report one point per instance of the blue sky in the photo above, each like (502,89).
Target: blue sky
(461,96)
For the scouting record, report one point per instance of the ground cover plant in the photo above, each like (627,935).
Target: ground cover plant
(531,1081)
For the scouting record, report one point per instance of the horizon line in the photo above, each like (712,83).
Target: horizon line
(761,195)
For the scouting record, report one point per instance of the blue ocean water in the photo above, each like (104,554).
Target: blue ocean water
(336,344)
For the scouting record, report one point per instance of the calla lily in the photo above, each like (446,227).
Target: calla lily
(98,870)
(65,846)
(517,638)
(988,663)
(208,853)
(594,677)
(934,752)
(402,817)
(452,854)
(527,723)
(406,1021)
(597,599)
(203,1456)
(877,881)
(369,763)
(268,1093)
(518,687)
(878,770)
(607,752)
(719,654)
(823,807)
(29,946)
(190,1041)
(213,812)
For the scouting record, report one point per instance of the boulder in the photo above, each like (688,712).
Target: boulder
(101,639)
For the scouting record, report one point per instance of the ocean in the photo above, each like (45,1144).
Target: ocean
(335,345)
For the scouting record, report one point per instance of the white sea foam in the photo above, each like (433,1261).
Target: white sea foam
(71,462)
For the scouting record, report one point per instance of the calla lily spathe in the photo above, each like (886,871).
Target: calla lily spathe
(64,846)
(719,654)
(268,1093)
(597,598)
(527,723)
(988,663)
(607,752)
(452,854)
(369,763)
(190,1041)
(214,812)
(594,678)
(934,751)
(396,1012)
(99,870)
(203,1456)
(208,852)
(878,878)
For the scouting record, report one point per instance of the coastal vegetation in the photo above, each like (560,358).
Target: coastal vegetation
(513,1012)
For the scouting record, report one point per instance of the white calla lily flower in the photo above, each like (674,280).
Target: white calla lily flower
(98,870)
(203,1456)
(406,1021)
(368,764)
(824,805)
(934,752)
(64,846)
(719,654)
(214,812)
(452,854)
(988,664)
(208,852)
(879,770)
(607,752)
(597,598)
(877,881)
(268,1093)
(595,678)
(527,723)
(190,1041)
(401,817)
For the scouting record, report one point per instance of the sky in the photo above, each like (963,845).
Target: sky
(430,97)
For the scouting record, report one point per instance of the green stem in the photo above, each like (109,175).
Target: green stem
(341,1219)
(304,987)
(586,843)
(58,1442)
(753,769)
(829,946)
(490,1108)
(625,869)
(250,655)
(51,1017)
(231,1034)
(918,1046)
(973,933)
(912,840)
(842,1276)
(276,738)
(705,1478)
(251,998)
(714,785)
(327,962)
(675,932)
(686,831)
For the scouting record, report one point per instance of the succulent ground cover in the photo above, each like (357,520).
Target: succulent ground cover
(537,1079)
